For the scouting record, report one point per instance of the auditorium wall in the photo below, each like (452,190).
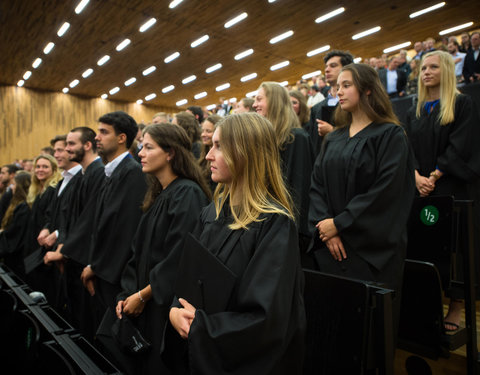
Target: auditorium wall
(30,118)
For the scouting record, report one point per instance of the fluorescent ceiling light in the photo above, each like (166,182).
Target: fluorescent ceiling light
(103,60)
(248,77)
(310,75)
(334,13)
(48,48)
(181,102)
(65,90)
(104,96)
(243,54)
(147,25)
(87,73)
(200,95)
(123,44)
(199,41)
(235,20)
(63,29)
(114,90)
(147,71)
(37,63)
(252,93)
(357,60)
(189,79)
(168,89)
(280,65)
(452,29)
(318,50)
(74,83)
(150,96)
(398,46)
(222,87)
(211,106)
(280,37)
(82,4)
(27,75)
(128,82)
(271,1)
(232,100)
(172,57)
(213,68)
(366,32)
(20,83)
(284,83)
(139,101)
(174,3)
(426,10)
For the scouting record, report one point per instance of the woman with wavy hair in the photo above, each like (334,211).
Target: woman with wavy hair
(189,123)
(293,142)
(208,127)
(300,107)
(250,228)
(177,192)
(443,128)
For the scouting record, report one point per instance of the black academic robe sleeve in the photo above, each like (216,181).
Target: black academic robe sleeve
(38,217)
(262,330)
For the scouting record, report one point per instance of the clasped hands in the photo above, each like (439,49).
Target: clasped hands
(329,235)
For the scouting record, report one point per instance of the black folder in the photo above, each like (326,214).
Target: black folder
(327,113)
(203,280)
(33,260)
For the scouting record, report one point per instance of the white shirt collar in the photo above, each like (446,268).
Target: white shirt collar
(110,167)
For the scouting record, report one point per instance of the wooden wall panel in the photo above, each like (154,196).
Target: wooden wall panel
(30,118)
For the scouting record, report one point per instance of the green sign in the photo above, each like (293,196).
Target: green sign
(429,215)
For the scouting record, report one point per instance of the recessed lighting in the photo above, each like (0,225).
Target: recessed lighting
(199,41)
(310,75)
(147,25)
(114,90)
(48,48)
(63,29)
(357,60)
(27,75)
(74,83)
(452,29)
(128,82)
(251,93)
(37,63)
(104,96)
(172,57)
(366,32)
(283,64)
(168,89)
(329,15)
(20,83)
(222,87)
(211,106)
(248,77)
(150,96)
(398,46)
(318,50)
(147,71)
(271,1)
(426,10)
(174,3)
(80,6)
(139,101)
(213,68)
(243,54)
(235,20)
(232,100)
(103,60)
(123,44)
(87,73)
(181,102)
(189,79)
(283,83)
(65,90)
(280,37)
(200,95)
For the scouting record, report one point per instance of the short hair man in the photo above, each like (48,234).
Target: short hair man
(458,57)
(244,105)
(197,112)
(471,65)
(393,79)
(159,118)
(320,116)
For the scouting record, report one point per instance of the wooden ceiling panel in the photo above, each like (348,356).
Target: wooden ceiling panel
(27,26)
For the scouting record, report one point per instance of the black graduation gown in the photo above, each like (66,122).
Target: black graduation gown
(5,202)
(262,330)
(157,248)
(117,213)
(366,184)
(319,111)
(452,147)
(12,239)
(297,163)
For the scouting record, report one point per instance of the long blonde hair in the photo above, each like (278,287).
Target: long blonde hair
(280,112)
(36,187)
(257,182)
(448,88)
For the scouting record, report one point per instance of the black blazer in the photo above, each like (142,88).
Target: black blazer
(470,65)
(401,79)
